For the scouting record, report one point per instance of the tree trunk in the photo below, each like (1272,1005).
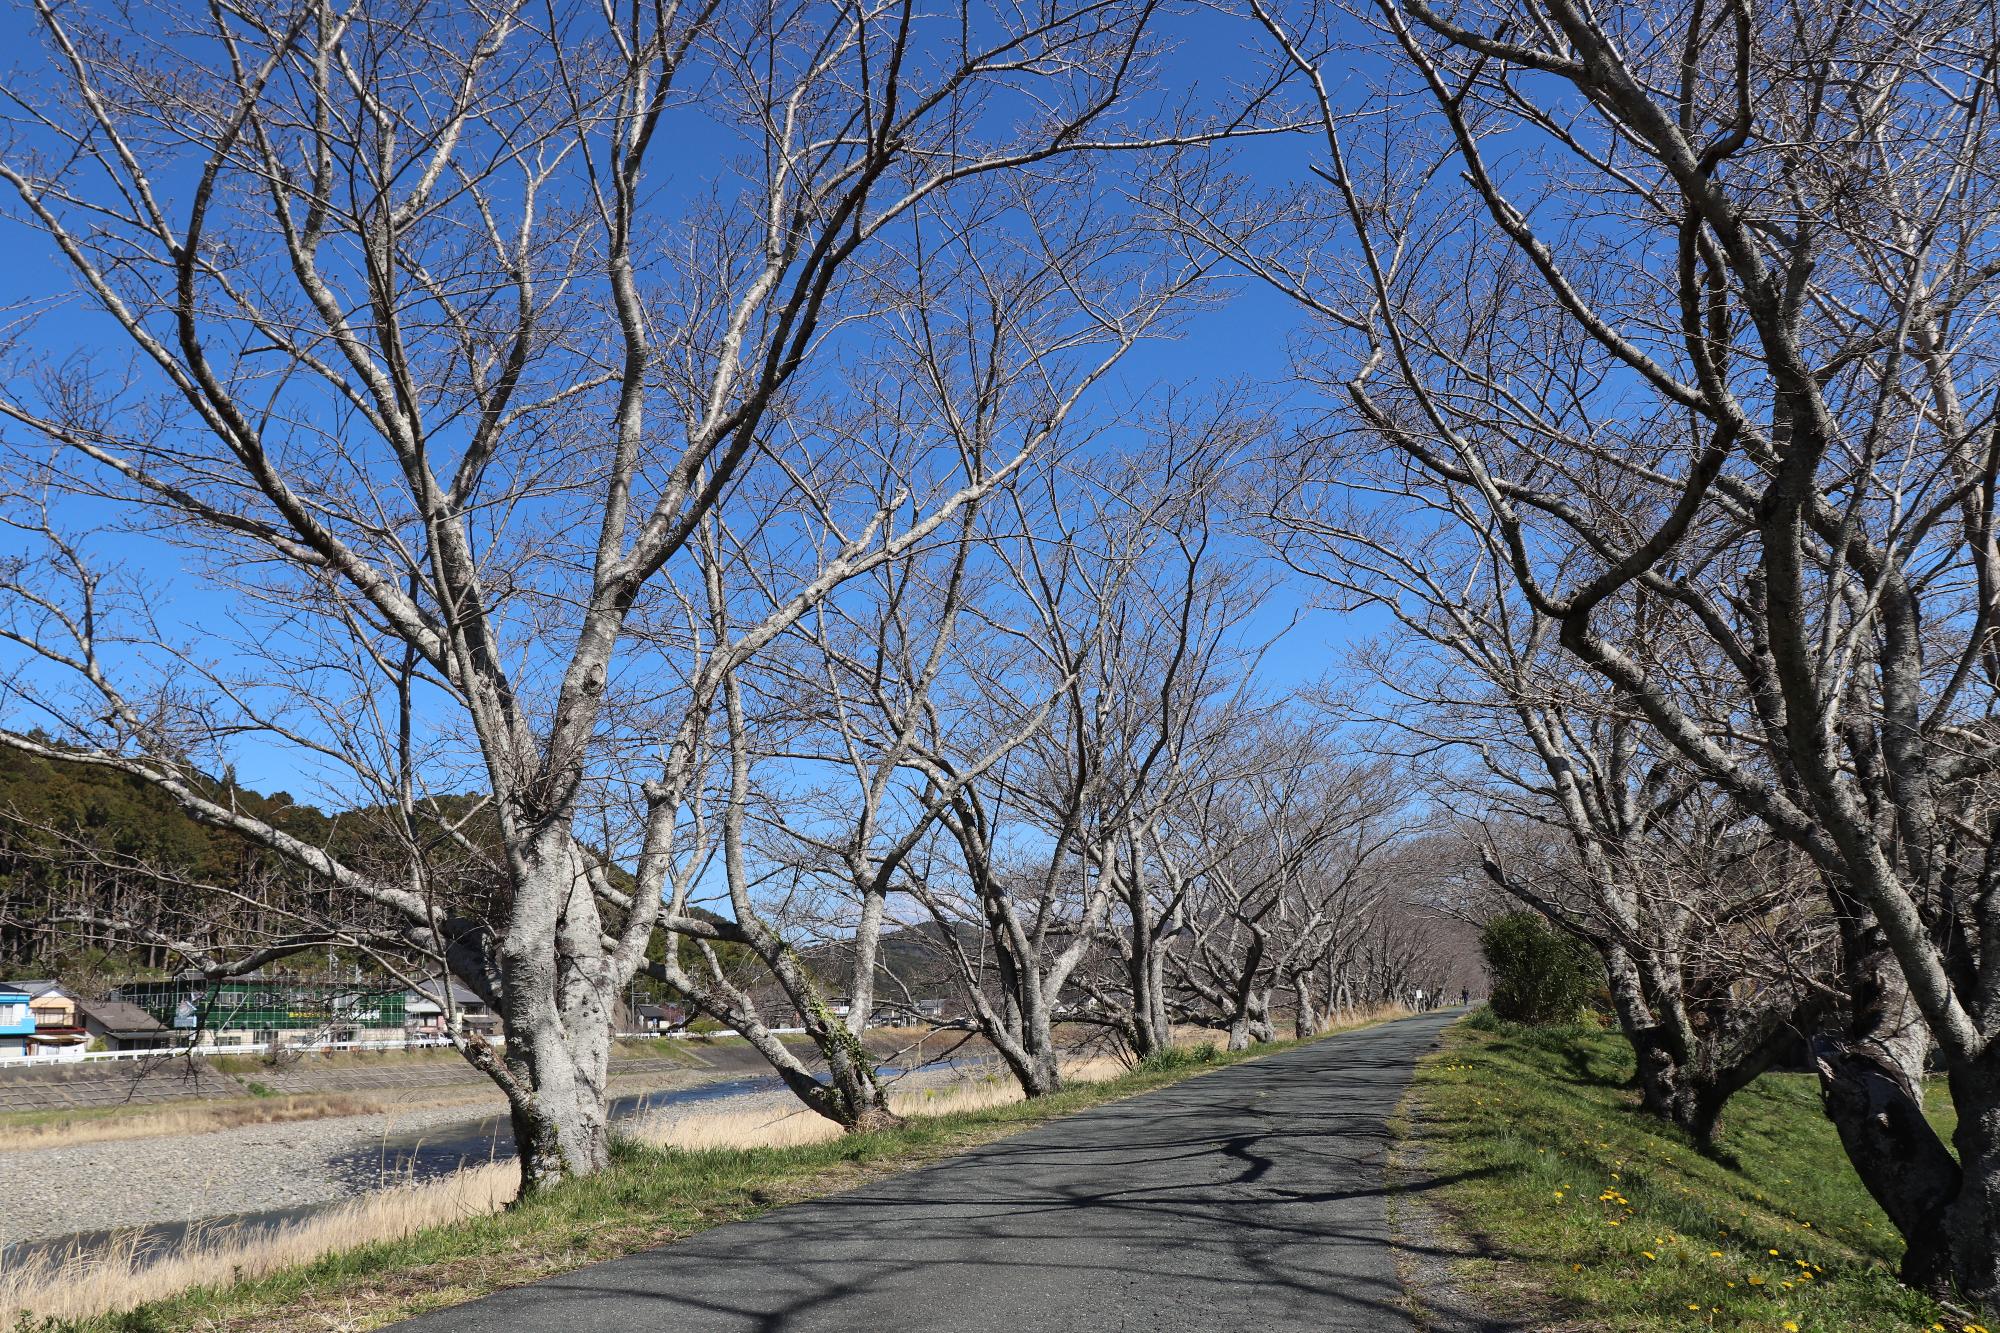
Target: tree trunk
(1871,1084)
(1146,974)
(1305,1017)
(1239,1031)
(1880,1118)
(1658,1075)
(853,1096)
(558,996)
(1034,1059)
(1259,1015)
(1972,1220)
(558,1118)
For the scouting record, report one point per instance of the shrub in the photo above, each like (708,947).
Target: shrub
(1540,974)
(1182,1057)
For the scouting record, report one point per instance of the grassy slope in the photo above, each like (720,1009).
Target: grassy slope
(1606,1219)
(649,1198)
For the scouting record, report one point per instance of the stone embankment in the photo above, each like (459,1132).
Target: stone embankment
(95,1086)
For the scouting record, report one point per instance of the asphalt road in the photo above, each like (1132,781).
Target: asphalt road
(1249,1198)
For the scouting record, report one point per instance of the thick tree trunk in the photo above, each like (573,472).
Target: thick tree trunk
(1305,1016)
(853,1097)
(1239,1031)
(1146,975)
(558,1118)
(1032,1055)
(1658,1075)
(1972,1220)
(557,1002)
(1879,1116)
(1257,1017)
(1871,1084)
(1249,1019)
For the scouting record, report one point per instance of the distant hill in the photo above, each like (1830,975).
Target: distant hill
(75,836)
(917,957)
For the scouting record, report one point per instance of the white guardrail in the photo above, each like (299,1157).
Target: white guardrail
(319,1047)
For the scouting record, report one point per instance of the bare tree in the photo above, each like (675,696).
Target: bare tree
(1707,354)
(439,382)
(1271,863)
(995,351)
(1107,650)
(1717,951)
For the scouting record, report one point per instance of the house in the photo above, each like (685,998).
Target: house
(17,1021)
(659,1017)
(259,1009)
(58,1035)
(123,1027)
(424,1010)
(52,1006)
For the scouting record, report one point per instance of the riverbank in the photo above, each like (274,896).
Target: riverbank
(1567,1208)
(397,1252)
(149,1176)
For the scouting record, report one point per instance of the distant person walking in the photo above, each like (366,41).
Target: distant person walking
(1464,997)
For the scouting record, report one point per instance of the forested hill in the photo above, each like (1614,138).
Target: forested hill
(74,834)
(76,839)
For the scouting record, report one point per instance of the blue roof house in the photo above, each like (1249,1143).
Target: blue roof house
(17,1021)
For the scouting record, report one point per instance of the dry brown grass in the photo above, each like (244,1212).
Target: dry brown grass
(56,1130)
(781,1124)
(76,1286)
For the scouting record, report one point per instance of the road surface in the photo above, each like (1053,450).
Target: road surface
(1248,1198)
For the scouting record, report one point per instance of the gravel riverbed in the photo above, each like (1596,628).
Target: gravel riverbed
(254,1168)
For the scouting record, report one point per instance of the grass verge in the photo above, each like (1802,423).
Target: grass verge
(1593,1216)
(651,1196)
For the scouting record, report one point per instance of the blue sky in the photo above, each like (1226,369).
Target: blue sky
(1245,341)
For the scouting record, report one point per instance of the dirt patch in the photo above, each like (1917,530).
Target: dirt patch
(1453,1280)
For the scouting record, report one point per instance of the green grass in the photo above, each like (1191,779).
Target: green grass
(1597,1217)
(649,1197)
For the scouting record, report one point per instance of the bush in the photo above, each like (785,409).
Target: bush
(1181,1057)
(1540,974)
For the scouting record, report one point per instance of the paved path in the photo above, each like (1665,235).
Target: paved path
(1249,1198)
